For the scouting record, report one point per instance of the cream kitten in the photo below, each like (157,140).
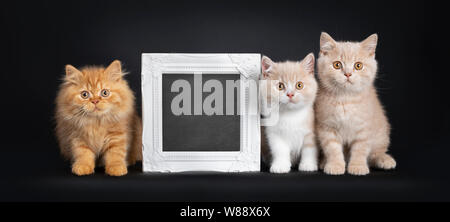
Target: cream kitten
(291,140)
(96,120)
(349,116)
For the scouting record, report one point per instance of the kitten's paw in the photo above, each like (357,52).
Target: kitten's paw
(334,168)
(358,169)
(280,167)
(82,169)
(385,162)
(116,170)
(307,166)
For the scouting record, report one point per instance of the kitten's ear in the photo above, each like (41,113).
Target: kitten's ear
(72,74)
(308,63)
(370,44)
(266,66)
(327,43)
(115,70)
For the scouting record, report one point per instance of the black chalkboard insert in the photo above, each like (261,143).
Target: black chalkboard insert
(199,132)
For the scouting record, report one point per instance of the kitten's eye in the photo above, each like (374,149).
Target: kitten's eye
(337,65)
(105,93)
(85,94)
(280,86)
(358,66)
(299,85)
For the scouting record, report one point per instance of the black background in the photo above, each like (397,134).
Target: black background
(39,37)
(199,132)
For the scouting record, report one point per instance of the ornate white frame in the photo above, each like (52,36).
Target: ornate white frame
(154,159)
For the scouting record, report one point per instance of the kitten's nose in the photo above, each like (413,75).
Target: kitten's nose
(95,101)
(290,95)
(347,74)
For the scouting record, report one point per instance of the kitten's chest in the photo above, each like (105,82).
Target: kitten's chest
(346,117)
(343,112)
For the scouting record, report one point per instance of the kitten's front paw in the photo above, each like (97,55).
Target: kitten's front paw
(116,170)
(307,166)
(358,169)
(82,169)
(280,167)
(334,168)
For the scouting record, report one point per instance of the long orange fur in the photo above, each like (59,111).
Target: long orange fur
(109,131)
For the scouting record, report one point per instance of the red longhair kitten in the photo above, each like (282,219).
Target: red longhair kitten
(291,140)
(350,120)
(96,119)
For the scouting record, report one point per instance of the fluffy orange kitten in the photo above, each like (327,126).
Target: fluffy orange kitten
(95,117)
(349,116)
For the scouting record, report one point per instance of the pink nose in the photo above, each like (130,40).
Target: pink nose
(95,101)
(348,74)
(290,95)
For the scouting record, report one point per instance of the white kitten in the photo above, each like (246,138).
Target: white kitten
(291,140)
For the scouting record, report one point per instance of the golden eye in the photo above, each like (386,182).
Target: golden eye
(105,93)
(85,94)
(358,66)
(280,86)
(299,85)
(337,65)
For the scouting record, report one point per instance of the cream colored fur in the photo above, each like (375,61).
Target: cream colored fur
(350,122)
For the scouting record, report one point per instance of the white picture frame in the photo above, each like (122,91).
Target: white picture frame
(154,158)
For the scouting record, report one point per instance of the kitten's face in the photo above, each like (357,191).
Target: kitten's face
(96,91)
(347,66)
(294,82)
